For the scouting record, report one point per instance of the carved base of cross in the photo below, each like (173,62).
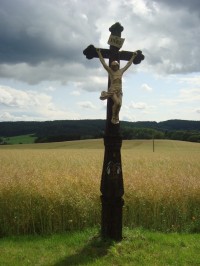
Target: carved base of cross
(112,189)
(111,218)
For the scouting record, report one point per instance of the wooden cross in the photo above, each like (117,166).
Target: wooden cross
(112,187)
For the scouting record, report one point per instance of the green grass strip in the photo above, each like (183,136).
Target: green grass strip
(138,247)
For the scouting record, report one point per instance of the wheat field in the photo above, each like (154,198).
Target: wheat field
(47,188)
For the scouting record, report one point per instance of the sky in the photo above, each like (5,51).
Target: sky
(45,76)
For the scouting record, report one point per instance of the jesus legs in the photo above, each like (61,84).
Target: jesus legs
(117,102)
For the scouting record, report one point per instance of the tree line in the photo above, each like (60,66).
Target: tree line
(64,130)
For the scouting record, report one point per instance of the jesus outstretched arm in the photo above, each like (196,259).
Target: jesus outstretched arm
(129,62)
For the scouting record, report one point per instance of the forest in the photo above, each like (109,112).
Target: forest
(65,130)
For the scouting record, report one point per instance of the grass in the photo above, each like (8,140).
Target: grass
(139,247)
(22,139)
(54,188)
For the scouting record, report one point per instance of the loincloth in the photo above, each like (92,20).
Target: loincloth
(107,94)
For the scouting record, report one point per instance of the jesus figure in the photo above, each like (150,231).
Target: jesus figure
(115,90)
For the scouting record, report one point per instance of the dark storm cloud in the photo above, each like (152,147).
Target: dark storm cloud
(44,39)
(192,5)
(36,31)
(174,46)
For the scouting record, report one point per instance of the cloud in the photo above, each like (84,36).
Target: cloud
(40,40)
(146,87)
(139,105)
(6,116)
(22,99)
(168,36)
(140,8)
(128,117)
(189,95)
(185,96)
(94,83)
(40,31)
(192,5)
(50,89)
(195,80)
(23,104)
(86,105)
(75,93)
(54,113)
(143,107)
(51,71)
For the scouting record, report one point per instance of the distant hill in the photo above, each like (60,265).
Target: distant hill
(57,127)
(61,130)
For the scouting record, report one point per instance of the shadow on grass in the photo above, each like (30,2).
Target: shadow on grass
(94,249)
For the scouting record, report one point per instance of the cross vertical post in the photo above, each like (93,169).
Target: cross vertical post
(112,187)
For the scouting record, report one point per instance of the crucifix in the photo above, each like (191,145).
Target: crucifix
(112,187)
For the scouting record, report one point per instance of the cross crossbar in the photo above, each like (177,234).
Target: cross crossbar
(90,53)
